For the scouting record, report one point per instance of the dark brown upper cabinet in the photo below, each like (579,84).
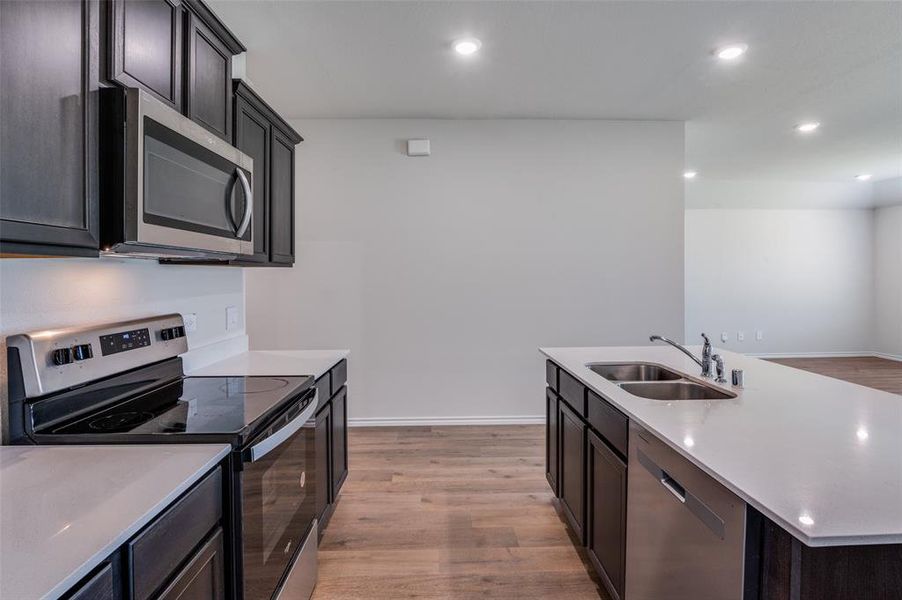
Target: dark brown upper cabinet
(177,50)
(209,97)
(49,77)
(146,49)
(281,221)
(252,136)
(267,138)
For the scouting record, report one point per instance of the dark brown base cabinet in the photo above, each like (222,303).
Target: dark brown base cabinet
(572,468)
(586,446)
(180,555)
(331,441)
(588,473)
(606,514)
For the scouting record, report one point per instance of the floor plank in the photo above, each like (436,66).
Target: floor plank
(453,513)
(878,373)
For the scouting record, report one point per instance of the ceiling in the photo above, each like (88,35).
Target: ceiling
(839,63)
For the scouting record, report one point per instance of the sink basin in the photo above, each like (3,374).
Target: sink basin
(635,372)
(675,390)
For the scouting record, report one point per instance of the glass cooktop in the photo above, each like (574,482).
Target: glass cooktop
(193,405)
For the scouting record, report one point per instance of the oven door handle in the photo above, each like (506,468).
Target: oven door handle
(264,447)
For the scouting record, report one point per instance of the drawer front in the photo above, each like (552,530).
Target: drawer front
(324,389)
(572,391)
(202,577)
(608,421)
(551,375)
(157,551)
(99,586)
(339,375)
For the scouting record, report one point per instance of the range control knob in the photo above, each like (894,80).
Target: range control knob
(82,352)
(62,356)
(172,333)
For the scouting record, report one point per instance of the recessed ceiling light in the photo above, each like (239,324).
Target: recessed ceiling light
(863,177)
(690,174)
(807,127)
(805,519)
(731,52)
(862,434)
(467,46)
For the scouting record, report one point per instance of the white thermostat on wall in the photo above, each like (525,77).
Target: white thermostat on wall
(418,148)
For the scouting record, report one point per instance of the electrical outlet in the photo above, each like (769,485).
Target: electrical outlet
(740,336)
(759,335)
(724,336)
(190,320)
(231,318)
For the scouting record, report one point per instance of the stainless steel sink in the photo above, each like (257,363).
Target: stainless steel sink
(675,390)
(634,372)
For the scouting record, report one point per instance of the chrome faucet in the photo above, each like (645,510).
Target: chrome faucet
(707,355)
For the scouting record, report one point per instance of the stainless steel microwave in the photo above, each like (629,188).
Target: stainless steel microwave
(168,187)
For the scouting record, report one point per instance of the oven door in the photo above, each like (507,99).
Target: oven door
(188,189)
(278,491)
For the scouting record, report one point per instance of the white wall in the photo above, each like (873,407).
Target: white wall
(888,280)
(444,274)
(42,293)
(803,277)
(744,194)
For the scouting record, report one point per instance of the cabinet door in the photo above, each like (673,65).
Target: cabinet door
(572,468)
(551,446)
(323,463)
(606,514)
(339,440)
(146,47)
(252,137)
(202,577)
(281,199)
(209,97)
(48,108)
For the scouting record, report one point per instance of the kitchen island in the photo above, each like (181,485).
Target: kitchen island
(817,461)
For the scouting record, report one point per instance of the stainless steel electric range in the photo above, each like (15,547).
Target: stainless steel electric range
(123,383)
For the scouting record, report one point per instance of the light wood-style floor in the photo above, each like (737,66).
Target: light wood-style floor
(449,512)
(878,373)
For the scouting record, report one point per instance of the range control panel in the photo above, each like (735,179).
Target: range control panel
(124,340)
(58,359)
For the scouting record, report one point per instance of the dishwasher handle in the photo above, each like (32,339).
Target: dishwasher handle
(673,486)
(693,503)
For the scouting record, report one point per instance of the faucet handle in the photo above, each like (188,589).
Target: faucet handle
(719,368)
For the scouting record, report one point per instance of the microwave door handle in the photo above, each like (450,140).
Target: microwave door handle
(264,447)
(248,205)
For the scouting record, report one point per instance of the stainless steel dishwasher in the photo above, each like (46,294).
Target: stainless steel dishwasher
(685,531)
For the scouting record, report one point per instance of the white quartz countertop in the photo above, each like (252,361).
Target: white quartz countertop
(273,363)
(819,456)
(64,509)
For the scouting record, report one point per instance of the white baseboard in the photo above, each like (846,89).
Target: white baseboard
(852,354)
(849,354)
(438,421)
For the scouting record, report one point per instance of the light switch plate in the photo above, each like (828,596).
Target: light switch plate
(190,320)
(231,318)
(724,336)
